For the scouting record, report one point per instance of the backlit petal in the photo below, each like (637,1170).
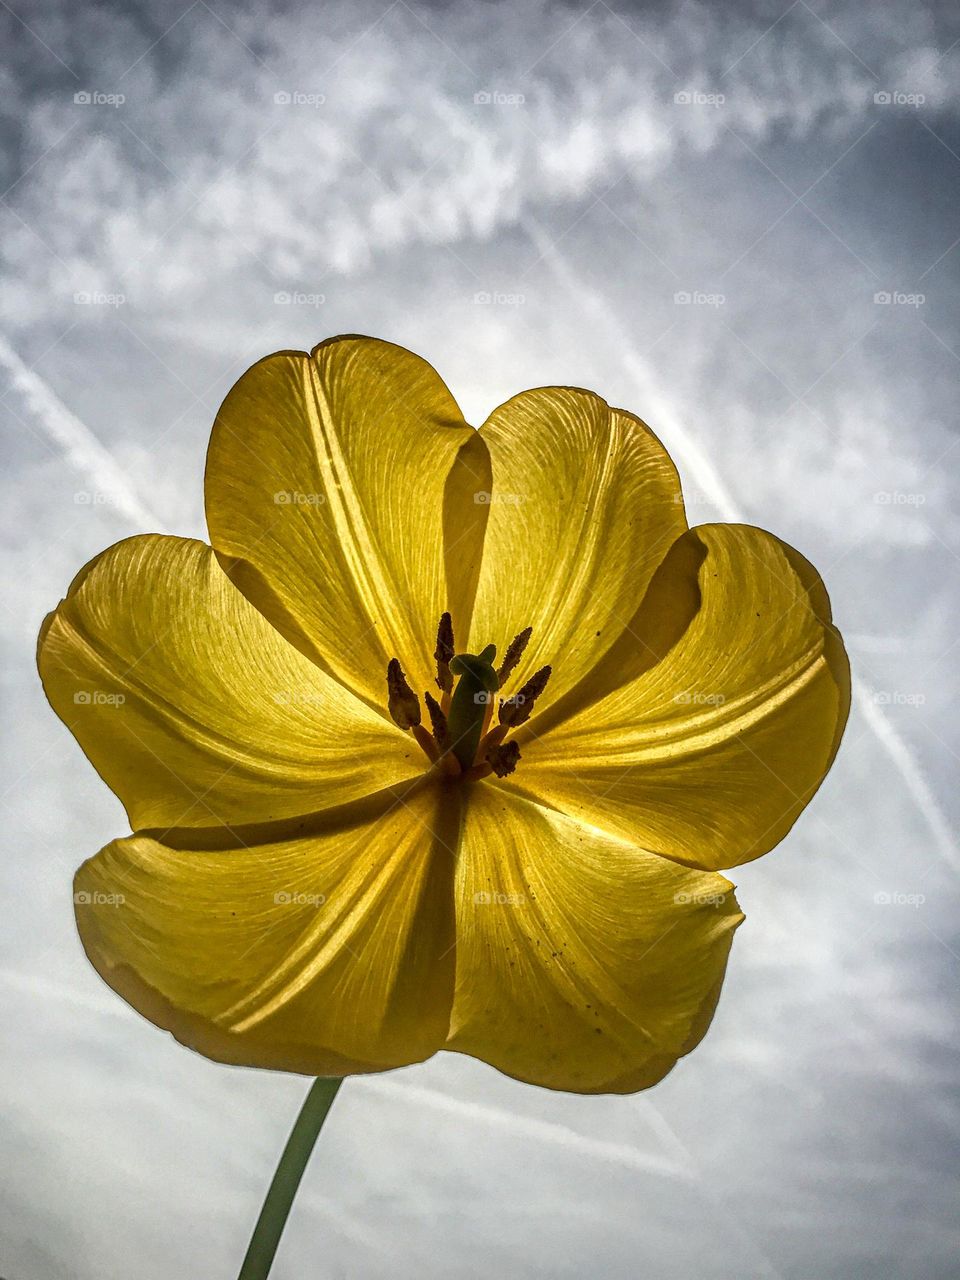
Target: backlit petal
(327,954)
(192,708)
(585,502)
(339,497)
(583,962)
(710,754)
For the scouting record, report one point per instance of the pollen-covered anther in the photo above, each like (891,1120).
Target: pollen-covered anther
(441,737)
(438,722)
(513,655)
(443,653)
(503,759)
(518,709)
(402,703)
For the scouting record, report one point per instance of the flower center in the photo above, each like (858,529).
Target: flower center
(461,741)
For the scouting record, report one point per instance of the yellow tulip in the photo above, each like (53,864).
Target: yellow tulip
(317,881)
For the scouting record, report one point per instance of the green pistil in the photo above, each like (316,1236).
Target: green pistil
(476,685)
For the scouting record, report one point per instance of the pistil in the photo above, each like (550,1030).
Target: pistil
(475,689)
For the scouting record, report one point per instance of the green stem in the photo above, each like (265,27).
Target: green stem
(276,1207)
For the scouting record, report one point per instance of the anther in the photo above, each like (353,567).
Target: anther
(503,759)
(438,722)
(513,655)
(402,703)
(444,652)
(518,709)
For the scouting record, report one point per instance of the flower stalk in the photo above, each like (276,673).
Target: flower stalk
(286,1180)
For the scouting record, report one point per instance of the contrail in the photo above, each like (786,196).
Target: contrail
(708,480)
(619,1153)
(80,446)
(725,1212)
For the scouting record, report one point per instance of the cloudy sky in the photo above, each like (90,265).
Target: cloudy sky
(738,221)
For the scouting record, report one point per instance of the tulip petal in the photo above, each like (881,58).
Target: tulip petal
(325,955)
(339,497)
(192,708)
(584,505)
(583,962)
(708,755)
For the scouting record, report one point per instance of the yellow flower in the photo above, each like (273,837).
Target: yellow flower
(308,888)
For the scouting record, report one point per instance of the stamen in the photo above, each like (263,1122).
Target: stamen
(513,655)
(492,739)
(438,722)
(503,759)
(518,709)
(430,748)
(444,652)
(402,703)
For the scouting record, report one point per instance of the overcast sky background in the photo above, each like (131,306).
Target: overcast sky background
(207,221)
